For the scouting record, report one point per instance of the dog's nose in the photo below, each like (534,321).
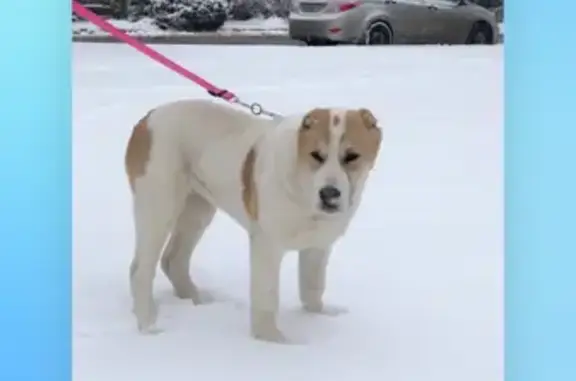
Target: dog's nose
(329,193)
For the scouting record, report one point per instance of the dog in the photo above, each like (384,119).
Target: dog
(292,183)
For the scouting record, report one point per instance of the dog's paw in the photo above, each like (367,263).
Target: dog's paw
(325,309)
(270,335)
(146,314)
(149,330)
(189,292)
(198,297)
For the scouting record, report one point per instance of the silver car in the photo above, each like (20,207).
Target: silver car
(378,22)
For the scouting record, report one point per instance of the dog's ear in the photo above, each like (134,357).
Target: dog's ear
(314,117)
(368,118)
(307,122)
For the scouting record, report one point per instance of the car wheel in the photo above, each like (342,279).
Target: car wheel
(378,33)
(481,34)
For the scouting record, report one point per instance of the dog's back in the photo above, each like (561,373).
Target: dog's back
(203,143)
(201,123)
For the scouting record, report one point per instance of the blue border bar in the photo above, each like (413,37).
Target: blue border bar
(35,190)
(540,74)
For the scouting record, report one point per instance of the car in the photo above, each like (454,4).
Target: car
(383,22)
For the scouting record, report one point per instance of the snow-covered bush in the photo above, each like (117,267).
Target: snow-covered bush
(249,9)
(235,9)
(182,15)
(104,8)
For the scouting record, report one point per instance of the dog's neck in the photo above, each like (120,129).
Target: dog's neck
(278,161)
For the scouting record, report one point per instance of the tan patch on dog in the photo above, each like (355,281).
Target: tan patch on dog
(362,136)
(249,195)
(138,151)
(314,132)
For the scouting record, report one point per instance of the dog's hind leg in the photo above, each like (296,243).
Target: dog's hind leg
(196,216)
(155,212)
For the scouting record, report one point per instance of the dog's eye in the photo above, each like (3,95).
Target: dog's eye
(317,156)
(350,157)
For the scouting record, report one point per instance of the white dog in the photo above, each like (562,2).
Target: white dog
(293,184)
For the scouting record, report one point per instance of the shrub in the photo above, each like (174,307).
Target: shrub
(249,9)
(182,15)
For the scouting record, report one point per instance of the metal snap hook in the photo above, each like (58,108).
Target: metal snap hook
(256,109)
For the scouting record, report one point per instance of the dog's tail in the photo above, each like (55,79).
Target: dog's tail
(138,150)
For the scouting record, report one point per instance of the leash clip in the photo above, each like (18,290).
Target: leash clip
(255,107)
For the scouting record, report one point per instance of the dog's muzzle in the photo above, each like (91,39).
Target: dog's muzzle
(329,199)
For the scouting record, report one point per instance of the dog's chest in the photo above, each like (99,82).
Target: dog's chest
(300,234)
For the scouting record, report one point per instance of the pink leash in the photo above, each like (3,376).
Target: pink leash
(85,13)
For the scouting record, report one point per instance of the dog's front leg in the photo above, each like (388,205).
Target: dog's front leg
(312,265)
(265,261)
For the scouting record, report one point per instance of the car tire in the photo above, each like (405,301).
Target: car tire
(377,33)
(315,42)
(481,34)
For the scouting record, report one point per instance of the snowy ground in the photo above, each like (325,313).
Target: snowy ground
(420,270)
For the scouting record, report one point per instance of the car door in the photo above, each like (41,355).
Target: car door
(408,19)
(450,24)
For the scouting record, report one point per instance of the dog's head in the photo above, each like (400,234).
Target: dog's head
(337,148)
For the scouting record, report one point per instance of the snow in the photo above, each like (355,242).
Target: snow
(420,270)
(146,27)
